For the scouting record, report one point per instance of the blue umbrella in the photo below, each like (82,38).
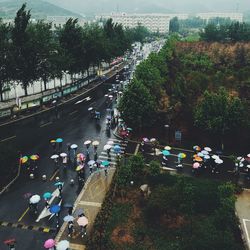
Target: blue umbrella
(105,163)
(58,183)
(47,195)
(165,152)
(117,149)
(68,218)
(55,209)
(59,140)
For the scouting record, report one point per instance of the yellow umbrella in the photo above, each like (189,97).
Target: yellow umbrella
(34,157)
(194,156)
(78,168)
(24,159)
(52,141)
(182,155)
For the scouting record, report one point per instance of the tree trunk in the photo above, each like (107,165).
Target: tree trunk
(45,84)
(88,74)
(1,93)
(25,89)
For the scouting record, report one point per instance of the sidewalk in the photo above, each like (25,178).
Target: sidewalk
(90,200)
(242,207)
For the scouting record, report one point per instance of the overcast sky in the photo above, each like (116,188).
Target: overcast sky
(86,6)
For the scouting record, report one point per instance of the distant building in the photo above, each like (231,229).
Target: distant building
(154,22)
(180,16)
(59,21)
(232,16)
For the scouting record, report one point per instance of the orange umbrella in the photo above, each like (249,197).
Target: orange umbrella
(194,156)
(198,159)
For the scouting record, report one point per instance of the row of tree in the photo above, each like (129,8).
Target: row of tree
(32,51)
(233,32)
(182,82)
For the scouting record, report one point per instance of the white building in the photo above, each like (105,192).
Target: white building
(232,16)
(59,21)
(154,22)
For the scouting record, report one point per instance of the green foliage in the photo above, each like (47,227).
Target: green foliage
(137,106)
(174,25)
(154,168)
(219,112)
(234,32)
(137,164)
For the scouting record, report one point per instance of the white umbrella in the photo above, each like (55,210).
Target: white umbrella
(87,142)
(90,108)
(62,245)
(204,152)
(240,158)
(107,147)
(110,96)
(35,199)
(63,154)
(144,187)
(208,149)
(206,157)
(68,218)
(73,146)
(82,221)
(215,157)
(95,143)
(167,148)
(248,166)
(218,161)
(54,157)
(152,140)
(106,95)
(110,142)
(91,162)
(248,155)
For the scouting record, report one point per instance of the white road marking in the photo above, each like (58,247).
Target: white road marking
(9,138)
(245,228)
(45,124)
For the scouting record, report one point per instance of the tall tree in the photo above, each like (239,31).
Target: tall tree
(219,112)
(174,25)
(137,106)
(24,55)
(4,56)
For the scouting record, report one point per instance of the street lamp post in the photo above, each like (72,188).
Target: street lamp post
(167,127)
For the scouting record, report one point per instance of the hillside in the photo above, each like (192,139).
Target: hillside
(39,9)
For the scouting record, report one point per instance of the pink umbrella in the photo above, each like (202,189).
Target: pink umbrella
(82,221)
(49,243)
(196,165)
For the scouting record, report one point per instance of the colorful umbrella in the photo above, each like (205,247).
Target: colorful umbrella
(87,142)
(68,218)
(73,146)
(62,245)
(59,183)
(198,159)
(129,129)
(34,157)
(80,167)
(24,159)
(52,141)
(182,155)
(117,149)
(59,140)
(49,243)
(145,139)
(167,148)
(53,157)
(63,155)
(95,143)
(34,199)
(196,148)
(55,209)
(81,156)
(105,163)
(47,195)
(82,221)
(200,154)
(165,152)
(107,147)
(195,155)
(196,165)
(208,149)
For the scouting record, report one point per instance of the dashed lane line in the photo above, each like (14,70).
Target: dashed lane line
(54,175)
(74,112)
(45,124)
(23,214)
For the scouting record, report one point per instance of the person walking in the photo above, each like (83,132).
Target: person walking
(65,162)
(70,229)
(60,191)
(47,206)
